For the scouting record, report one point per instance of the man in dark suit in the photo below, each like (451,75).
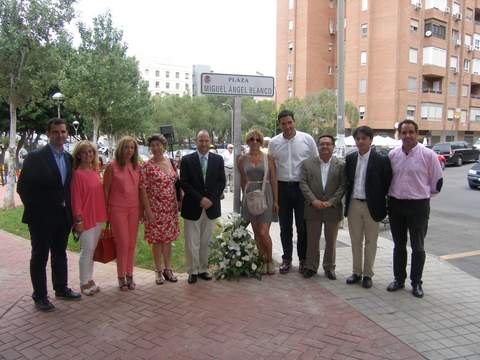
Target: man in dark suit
(202,178)
(44,187)
(322,182)
(368,178)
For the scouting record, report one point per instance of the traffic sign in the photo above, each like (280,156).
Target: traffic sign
(237,85)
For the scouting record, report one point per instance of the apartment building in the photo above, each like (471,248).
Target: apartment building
(166,79)
(415,59)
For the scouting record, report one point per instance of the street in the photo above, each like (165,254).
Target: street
(454,228)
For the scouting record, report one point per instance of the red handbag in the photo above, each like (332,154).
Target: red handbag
(105,251)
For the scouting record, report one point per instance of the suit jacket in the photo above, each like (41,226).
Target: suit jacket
(312,189)
(46,200)
(191,181)
(377,182)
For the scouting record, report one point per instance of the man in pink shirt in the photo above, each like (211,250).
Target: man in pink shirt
(417,176)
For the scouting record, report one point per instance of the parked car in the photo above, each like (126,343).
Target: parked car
(473,176)
(457,152)
(477,144)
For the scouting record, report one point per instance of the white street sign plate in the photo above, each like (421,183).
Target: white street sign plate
(237,85)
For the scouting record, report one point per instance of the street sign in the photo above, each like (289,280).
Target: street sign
(237,85)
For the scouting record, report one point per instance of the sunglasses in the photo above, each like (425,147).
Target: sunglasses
(255,140)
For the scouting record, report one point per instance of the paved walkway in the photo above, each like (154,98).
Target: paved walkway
(280,317)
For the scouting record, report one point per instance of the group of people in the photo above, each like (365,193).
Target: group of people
(297,177)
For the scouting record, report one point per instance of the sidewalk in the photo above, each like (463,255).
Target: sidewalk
(280,317)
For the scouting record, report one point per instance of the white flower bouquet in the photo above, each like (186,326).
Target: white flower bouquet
(234,253)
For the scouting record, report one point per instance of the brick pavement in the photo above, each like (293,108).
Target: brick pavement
(276,318)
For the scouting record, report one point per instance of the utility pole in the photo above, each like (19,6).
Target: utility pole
(340,142)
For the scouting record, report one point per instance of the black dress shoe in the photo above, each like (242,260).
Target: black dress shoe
(308,273)
(331,275)
(417,290)
(44,305)
(395,285)
(69,294)
(301,267)
(192,278)
(353,279)
(367,282)
(285,267)
(205,276)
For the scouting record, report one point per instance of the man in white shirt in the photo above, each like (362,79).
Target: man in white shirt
(228,162)
(368,176)
(322,181)
(289,149)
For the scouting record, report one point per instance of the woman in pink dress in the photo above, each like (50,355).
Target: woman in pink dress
(88,208)
(158,178)
(121,184)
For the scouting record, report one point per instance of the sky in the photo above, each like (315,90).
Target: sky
(232,36)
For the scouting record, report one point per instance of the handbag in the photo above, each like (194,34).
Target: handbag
(105,250)
(256,200)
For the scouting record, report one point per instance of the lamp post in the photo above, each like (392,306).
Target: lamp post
(76,124)
(58,97)
(231,120)
(340,143)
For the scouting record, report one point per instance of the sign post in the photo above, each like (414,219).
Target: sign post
(237,86)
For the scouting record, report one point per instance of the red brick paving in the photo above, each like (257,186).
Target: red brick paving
(280,317)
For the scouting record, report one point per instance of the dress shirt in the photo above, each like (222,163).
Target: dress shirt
(203,162)
(228,159)
(416,174)
(360,175)
(289,154)
(324,168)
(59,157)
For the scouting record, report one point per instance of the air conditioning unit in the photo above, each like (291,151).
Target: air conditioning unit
(454,70)
(470,48)
(458,42)
(457,16)
(447,10)
(289,76)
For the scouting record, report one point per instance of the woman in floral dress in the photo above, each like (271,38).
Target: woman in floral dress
(158,178)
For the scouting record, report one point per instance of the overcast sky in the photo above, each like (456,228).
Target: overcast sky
(232,36)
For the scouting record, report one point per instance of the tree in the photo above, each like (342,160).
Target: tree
(29,30)
(102,83)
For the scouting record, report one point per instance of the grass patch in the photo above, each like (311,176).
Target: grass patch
(11,221)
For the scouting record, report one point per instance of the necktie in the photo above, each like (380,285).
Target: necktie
(204,167)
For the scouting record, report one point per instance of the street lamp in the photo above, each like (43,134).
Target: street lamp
(76,124)
(231,120)
(58,97)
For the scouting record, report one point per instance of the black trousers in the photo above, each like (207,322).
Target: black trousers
(290,201)
(49,238)
(408,216)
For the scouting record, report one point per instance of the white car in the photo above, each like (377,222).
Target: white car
(477,145)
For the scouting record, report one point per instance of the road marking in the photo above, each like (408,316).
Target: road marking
(460,255)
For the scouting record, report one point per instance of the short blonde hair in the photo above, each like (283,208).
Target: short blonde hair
(121,147)
(79,147)
(254,132)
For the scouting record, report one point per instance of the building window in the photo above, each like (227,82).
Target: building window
(432,112)
(412,55)
(450,114)
(411,112)
(463,116)
(157,84)
(466,65)
(167,85)
(455,9)
(290,25)
(291,4)
(187,75)
(364,30)
(177,75)
(476,66)
(468,40)
(330,70)
(474,114)
(290,92)
(468,14)
(434,56)
(167,74)
(177,86)
(364,5)
(476,41)
(157,73)
(464,90)
(363,57)
(414,24)
(290,47)
(454,63)
(437,30)
(289,69)
(187,87)
(452,89)
(412,84)
(362,87)
(438,4)
(455,37)
(147,72)
(361,112)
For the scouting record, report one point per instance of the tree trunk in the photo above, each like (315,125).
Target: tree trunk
(96,127)
(9,199)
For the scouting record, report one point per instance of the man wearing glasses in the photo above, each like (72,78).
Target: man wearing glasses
(289,149)
(417,176)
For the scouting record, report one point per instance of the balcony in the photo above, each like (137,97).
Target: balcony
(432,88)
(438,14)
(433,70)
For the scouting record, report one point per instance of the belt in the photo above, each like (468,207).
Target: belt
(362,200)
(289,183)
